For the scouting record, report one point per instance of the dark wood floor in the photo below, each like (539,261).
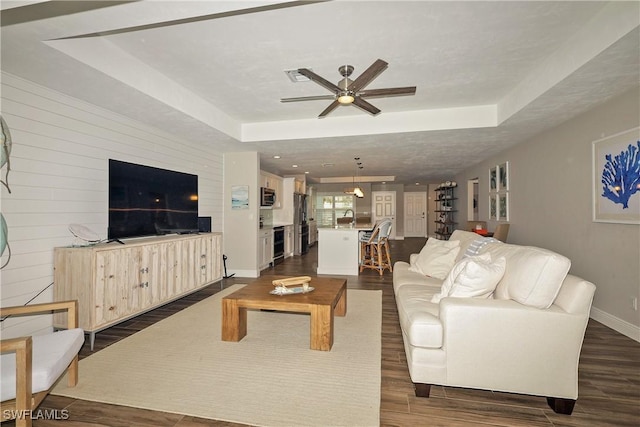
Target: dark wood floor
(609,374)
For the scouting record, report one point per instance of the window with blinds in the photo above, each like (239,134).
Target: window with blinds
(330,206)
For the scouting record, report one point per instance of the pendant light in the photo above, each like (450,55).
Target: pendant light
(356,190)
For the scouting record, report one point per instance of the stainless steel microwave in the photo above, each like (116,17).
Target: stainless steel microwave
(267,196)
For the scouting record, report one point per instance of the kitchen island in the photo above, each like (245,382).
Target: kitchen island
(339,249)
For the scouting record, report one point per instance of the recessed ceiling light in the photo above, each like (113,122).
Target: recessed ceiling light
(276,157)
(296,77)
(417,183)
(294,166)
(306,172)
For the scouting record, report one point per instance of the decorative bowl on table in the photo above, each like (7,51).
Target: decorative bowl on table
(287,286)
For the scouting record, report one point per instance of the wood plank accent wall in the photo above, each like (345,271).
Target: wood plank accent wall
(59,176)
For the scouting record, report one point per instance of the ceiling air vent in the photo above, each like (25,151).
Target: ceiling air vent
(295,76)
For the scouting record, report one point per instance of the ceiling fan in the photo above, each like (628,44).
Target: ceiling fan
(349,91)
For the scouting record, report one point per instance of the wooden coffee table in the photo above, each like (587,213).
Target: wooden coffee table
(328,299)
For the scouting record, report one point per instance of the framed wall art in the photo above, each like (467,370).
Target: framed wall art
(616,178)
(503,176)
(493,207)
(239,197)
(503,207)
(499,192)
(493,179)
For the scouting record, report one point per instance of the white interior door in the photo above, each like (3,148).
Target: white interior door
(384,206)
(415,214)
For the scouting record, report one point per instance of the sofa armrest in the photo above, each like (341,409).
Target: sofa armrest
(413,258)
(505,345)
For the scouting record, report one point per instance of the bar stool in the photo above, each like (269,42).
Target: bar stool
(374,249)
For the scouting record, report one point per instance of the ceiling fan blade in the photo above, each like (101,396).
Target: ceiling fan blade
(392,91)
(359,102)
(368,75)
(330,108)
(308,98)
(320,80)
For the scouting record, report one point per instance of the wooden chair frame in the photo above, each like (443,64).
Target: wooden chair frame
(501,232)
(25,400)
(375,252)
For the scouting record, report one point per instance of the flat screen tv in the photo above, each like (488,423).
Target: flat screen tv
(145,201)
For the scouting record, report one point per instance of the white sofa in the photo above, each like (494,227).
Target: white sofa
(525,338)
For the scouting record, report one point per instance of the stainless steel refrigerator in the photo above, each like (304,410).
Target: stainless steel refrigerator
(300,225)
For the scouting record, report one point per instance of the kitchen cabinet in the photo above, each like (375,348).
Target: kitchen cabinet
(338,250)
(115,282)
(265,248)
(313,232)
(288,241)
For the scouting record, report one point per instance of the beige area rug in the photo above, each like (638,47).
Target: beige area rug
(270,378)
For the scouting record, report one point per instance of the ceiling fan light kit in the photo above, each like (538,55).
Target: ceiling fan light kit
(346,99)
(348,91)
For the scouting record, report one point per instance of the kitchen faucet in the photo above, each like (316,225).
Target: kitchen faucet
(353,214)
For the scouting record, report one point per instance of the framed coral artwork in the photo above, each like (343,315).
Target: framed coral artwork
(616,178)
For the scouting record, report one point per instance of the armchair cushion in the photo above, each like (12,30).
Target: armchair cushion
(51,355)
(472,277)
(436,258)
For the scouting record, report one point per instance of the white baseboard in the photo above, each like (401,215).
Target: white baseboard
(245,273)
(618,325)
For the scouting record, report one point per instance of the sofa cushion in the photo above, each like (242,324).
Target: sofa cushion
(419,316)
(533,276)
(472,277)
(436,258)
(403,276)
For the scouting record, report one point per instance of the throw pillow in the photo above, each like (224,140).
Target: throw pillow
(472,277)
(436,258)
(476,246)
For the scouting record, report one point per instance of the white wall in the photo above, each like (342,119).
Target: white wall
(550,206)
(241,225)
(59,176)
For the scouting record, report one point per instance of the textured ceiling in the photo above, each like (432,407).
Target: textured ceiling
(488,74)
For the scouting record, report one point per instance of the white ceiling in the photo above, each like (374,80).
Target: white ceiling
(488,74)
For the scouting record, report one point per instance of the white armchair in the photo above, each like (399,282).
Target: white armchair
(32,365)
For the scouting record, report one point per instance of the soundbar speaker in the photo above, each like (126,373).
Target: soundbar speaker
(204,224)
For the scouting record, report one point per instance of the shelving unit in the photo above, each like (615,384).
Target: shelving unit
(445,209)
